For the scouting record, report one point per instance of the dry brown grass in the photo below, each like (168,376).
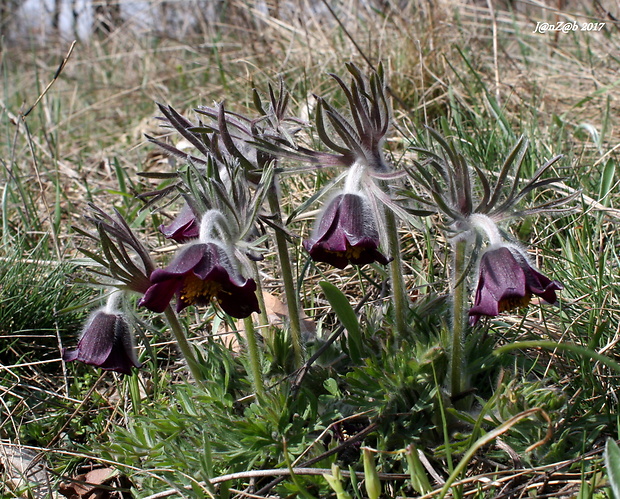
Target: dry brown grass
(94,116)
(104,99)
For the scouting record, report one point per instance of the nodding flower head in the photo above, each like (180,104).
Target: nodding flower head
(346,233)
(198,274)
(507,281)
(183,228)
(106,342)
(201,272)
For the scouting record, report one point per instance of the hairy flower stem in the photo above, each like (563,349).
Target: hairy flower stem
(254,358)
(184,346)
(399,295)
(287,278)
(459,319)
(263,320)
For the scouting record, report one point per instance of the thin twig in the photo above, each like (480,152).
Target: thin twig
(495,63)
(281,472)
(62,65)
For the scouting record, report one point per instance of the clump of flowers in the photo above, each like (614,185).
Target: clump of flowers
(231,212)
(218,213)
(216,229)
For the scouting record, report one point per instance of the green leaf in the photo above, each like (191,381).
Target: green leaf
(607,180)
(331,385)
(419,480)
(569,347)
(371,476)
(347,316)
(612,463)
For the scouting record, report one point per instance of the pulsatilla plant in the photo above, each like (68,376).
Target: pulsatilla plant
(228,187)
(506,278)
(361,216)
(218,234)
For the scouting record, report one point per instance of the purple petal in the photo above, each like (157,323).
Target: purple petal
(158,296)
(357,222)
(69,355)
(105,343)
(501,278)
(97,340)
(215,265)
(183,262)
(542,286)
(183,227)
(329,217)
(239,301)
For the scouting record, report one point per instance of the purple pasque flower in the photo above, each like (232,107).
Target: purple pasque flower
(182,228)
(202,272)
(507,281)
(346,233)
(106,342)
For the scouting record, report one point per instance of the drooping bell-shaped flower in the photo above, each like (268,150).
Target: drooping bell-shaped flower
(201,272)
(183,228)
(346,233)
(106,342)
(507,281)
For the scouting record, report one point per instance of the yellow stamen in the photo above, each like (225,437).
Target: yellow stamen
(353,252)
(196,290)
(514,302)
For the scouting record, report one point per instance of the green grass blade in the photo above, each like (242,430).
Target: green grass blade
(612,463)
(607,181)
(569,347)
(340,304)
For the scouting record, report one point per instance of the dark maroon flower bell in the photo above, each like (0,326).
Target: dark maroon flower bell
(106,342)
(507,281)
(198,274)
(183,228)
(346,233)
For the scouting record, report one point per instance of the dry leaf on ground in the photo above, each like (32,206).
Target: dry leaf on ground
(100,483)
